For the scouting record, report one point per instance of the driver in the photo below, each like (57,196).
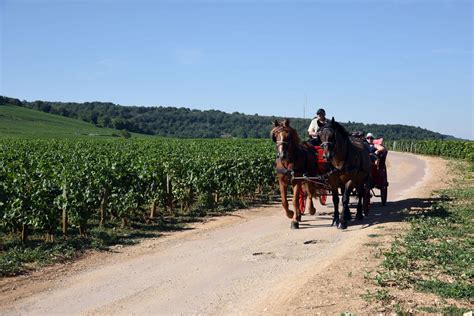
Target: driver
(315,126)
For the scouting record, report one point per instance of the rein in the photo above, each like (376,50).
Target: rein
(320,179)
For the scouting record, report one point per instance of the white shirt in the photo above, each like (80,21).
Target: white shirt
(313,127)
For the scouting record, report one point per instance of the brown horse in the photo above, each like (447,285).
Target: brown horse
(293,160)
(352,170)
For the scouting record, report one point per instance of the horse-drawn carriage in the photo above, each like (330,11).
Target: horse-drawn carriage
(379,174)
(378,181)
(355,174)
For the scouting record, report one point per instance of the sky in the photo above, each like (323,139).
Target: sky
(386,61)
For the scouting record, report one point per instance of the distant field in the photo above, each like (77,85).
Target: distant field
(19,122)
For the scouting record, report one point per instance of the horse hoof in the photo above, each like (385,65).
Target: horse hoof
(298,218)
(335,221)
(342,226)
(366,213)
(295,225)
(290,214)
(312,212)
(359,217)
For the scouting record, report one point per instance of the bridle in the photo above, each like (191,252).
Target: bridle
(331,147)
(281,143)
(327,145)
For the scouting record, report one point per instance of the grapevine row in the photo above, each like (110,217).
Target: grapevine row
(51,185)
(454,149)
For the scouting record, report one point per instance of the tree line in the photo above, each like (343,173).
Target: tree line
(189,123)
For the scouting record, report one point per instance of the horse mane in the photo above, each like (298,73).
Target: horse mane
(294,135)
(339,128)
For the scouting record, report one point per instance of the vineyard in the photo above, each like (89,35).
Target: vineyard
(443,148)
(75,194)
(53,187)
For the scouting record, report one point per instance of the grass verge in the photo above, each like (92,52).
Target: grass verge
(436,255)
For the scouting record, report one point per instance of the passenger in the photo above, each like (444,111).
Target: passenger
(375,150)
(316,124)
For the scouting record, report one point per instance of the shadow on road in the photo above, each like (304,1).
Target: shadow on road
(395,211)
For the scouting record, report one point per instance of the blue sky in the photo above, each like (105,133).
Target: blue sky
(398,62)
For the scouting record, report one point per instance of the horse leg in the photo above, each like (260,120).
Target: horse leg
(335,201)
(310,203)
(310,188)
(346,214)
(360,196)
(297,188)
(284,199)
(366,199)
(296,214)
(334,185)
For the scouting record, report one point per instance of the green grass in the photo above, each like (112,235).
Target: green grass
(436,255)
(373,235)
(381,295)
(19,122)
(445,310)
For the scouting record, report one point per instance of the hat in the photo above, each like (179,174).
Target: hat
(321,111)
(369,135)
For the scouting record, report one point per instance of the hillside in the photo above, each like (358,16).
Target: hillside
(18,121)
(183,122)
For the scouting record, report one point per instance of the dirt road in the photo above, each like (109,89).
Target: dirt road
(246,263)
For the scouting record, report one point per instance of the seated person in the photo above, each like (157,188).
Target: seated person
(374,149)
(315,126)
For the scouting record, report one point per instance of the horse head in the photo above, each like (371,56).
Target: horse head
(285,138)
(330,135)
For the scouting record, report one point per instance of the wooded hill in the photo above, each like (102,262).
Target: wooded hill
(187,123)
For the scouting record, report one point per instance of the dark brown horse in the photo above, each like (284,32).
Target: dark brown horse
(293,160)
(352,170)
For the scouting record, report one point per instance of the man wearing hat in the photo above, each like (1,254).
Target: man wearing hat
(316,124)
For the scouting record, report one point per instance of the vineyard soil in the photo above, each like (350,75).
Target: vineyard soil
(249,262)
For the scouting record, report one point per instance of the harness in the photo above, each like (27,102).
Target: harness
(301,151)
(320,179)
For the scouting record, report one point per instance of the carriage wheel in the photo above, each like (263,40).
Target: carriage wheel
(323,198)
(302,201)
(383,194)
